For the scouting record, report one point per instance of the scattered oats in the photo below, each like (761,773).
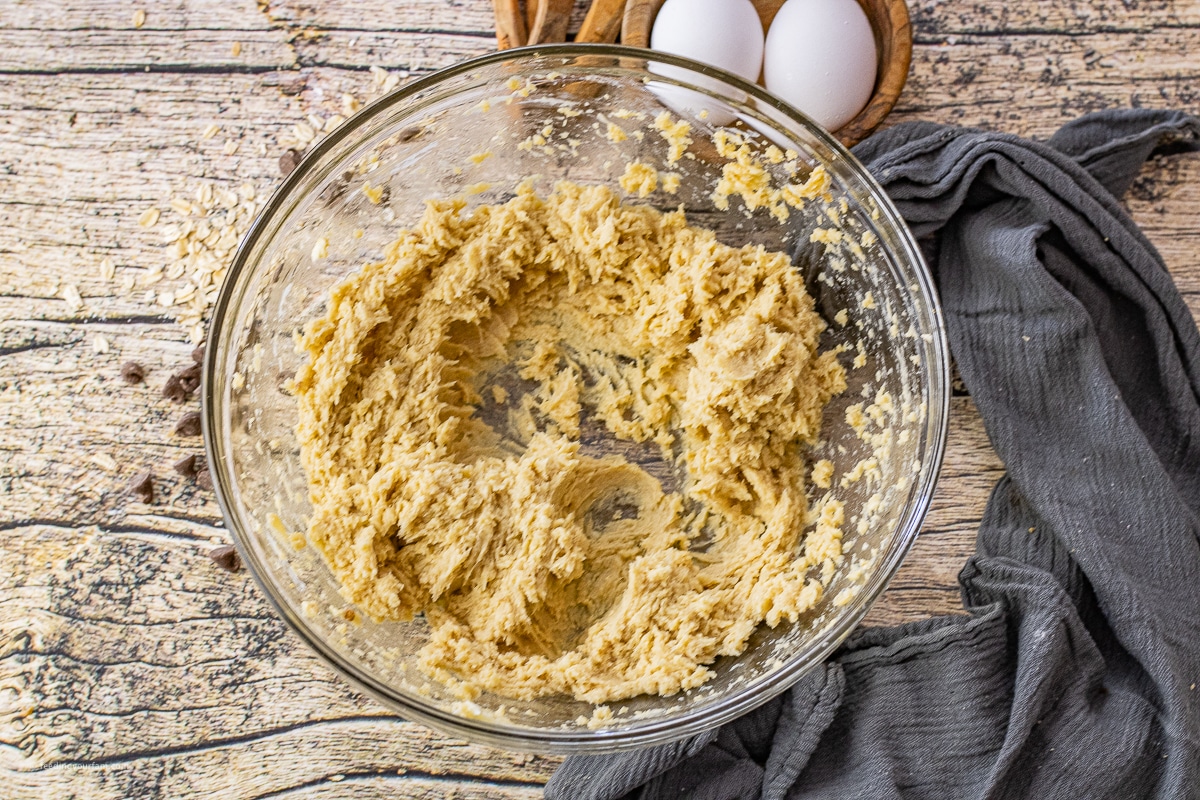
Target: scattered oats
(108,270)
(127,283)
(174,271)
(320,249)
(104,461)
(139,18)
(166,299)
(390,84)
(150,297)
(152,277)
(210,131)
(303,132)
(238,381)
(149,217)
(70,293)
(100,345)
(358,233)
(333,122)
(183,206)
(230,147)
(236,49)
(350,104)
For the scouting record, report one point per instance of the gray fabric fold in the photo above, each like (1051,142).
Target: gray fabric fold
(1074,672)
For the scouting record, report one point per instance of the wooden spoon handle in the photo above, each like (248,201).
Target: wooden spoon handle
(638,20)
(510,24)
(548,20)
(603,21)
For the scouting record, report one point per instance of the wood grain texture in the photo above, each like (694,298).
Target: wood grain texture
(130,665)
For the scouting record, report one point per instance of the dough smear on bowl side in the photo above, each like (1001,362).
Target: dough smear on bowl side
(543,563)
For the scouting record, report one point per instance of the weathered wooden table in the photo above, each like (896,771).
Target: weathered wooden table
(130,664)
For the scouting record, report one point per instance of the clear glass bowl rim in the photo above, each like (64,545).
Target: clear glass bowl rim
(640,733)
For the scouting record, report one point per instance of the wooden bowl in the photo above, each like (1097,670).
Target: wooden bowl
(893,42)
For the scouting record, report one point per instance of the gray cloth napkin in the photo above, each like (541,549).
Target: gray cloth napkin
(1074,673)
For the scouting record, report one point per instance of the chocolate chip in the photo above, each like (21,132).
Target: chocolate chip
(186,466)
(226,558)
(188,425)
(179,387)
(198,354)
(288,161)
(189,378)
(133,372)
(204,480)
(142,487)
(173,390)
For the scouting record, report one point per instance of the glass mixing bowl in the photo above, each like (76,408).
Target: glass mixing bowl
(370,178)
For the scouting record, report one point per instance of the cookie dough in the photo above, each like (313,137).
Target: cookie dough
(571,433)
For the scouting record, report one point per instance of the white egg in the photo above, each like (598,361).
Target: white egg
(820,57)
(725,33)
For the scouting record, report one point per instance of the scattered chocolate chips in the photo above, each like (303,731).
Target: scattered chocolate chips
(226,558)
(204,480)
(189,378)
(188,425)
(142,487)
(173,390)
(179,387)
(288,161)
(133,373)
(186,466)
(198,354)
